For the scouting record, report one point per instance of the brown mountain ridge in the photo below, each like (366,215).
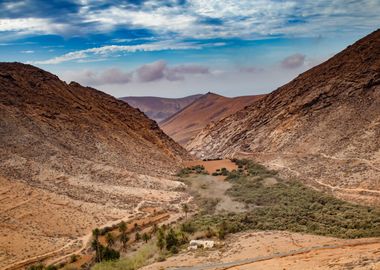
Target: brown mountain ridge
(323,127)
(186,123)
(158,108)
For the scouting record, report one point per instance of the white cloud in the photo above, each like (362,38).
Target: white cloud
(31,25)
(105,51)
(27,51)
(161,18)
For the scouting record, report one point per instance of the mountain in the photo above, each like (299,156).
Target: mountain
(73,158)
(158,108)
(323,127)
(186,123)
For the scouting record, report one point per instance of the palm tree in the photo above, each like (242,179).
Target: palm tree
(124,240)
(122,227)
(160,239)
(154,228)
(185,208)
(137,236)
(110,239)
(123,234)
(145,237)
(95,234)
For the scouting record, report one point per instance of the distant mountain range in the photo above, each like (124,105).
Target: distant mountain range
(186,123)
(324,126)
(158,108)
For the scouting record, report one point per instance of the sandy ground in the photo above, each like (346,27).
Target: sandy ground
(214,188)
(212,165)
(357,257)
(36,223)
(349,254)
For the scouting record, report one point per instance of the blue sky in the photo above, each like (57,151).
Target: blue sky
(175,48)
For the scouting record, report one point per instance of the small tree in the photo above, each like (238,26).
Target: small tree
(222,230)
(73,258)
(222,233)
(209,232)
(160,239)
(124,240)
(110,254)
(145,237)
(122,227)
(154,228)
(110,239)
(185,209)
(171,239)
(39,266)
(96,244)
(137,236)
(123,235)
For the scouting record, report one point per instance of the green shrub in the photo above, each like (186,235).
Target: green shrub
(109,254)
(171,239)
(73,258)
(188,227)
(38,266)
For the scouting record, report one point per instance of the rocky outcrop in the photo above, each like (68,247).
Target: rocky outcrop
(51,131)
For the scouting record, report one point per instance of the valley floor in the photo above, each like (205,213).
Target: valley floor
(38,225)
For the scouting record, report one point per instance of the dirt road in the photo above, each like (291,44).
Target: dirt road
(251,261)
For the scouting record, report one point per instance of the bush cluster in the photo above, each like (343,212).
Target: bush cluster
(197,169)
(287,205)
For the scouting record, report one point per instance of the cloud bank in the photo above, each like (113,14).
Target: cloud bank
(151,72)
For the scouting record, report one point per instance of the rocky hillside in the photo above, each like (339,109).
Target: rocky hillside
(323,127)
(47,121)
(158,108)
(211,107)
(73,158)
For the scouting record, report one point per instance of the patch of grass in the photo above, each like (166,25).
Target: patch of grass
(291,206)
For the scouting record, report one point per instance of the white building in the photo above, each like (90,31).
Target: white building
(194,244)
